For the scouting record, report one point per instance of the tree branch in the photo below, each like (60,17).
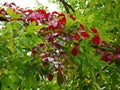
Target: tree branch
(67,6)
(3,19)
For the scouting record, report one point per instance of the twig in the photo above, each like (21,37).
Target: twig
(67,6)
(3,19)
(98,74)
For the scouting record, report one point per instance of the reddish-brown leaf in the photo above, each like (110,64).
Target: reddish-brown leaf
(55,13)
(75,51)
(28,11)
(105,43)
(72,17)
(84,34)
(63,19)
(117,49)
(77,37)
(50,76)
(41,11)
(34,51)
(106,57)
(31,19)
(82,27)
(96,40)
(116,56)
(95,31)
(42,45)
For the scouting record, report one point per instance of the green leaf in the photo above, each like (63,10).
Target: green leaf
(11,46)
(117,63)
(13,14)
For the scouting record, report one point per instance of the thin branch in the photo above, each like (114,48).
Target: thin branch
(67,6)
(3,19)
(98,74)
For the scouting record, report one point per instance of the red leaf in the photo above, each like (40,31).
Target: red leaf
(63,19)
(55,13)
(75,51)
(2,11)
(116,56)
(51,27)
(57,46)
(84,34)
(106,57)
(96,40)
(31,19)
(13,4)
(5,3)
(72,17)
(82,27)
(42,45)
(34,51)
(117,49)
(95,31)
(105,43)
(77,37)
(50,76)
(61,15)
(41,11)
(28,11)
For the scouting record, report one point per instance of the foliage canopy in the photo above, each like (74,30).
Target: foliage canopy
(55,51)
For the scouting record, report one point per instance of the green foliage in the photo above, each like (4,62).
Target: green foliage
(22,44)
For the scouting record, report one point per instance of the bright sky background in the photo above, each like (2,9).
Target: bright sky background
(31,3)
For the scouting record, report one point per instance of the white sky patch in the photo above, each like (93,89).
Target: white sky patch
(31,3)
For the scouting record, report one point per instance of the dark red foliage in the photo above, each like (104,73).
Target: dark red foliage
(106,57)
(96,40)
(28,12)
(75,51)
(53,13)
(82,27)
(105,43)
(41,11)
(58,38)
(34,51)
(2,11)
(84,34)
(31,19)
(63,19)
(117,49)
(72,17)
(77,36)
(42,45)
(50,76)
(116,56)
(95,31)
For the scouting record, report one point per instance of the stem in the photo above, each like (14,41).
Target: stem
(67,6)
(98,74)
(3,19)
